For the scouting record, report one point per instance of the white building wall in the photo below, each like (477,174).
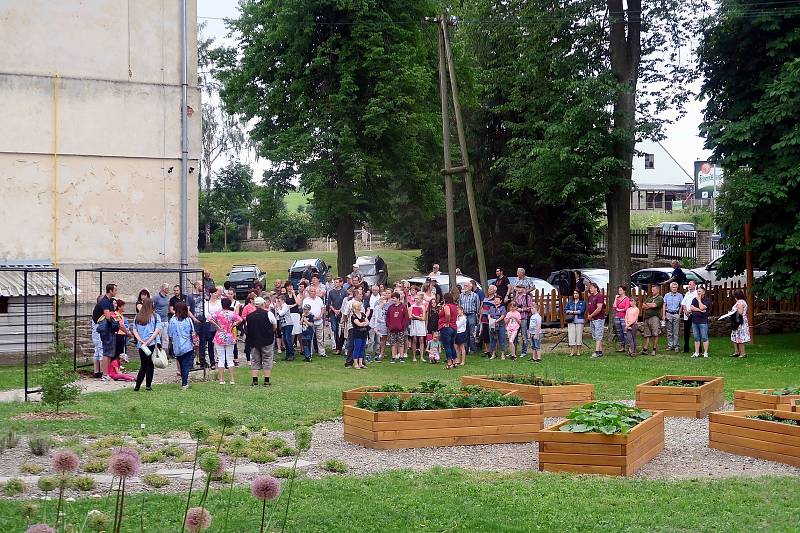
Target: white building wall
(114,114)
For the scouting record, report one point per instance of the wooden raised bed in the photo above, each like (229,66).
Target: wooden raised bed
(350,397)
(595,453)
(733,432)
(690,402)
(744,400)
(556,400)
(441,427)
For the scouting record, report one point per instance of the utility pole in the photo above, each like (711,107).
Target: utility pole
(448,171)
(448,176)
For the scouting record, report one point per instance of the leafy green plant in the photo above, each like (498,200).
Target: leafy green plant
(14,486)
(172,450)
(440,400)
(680,383)
(302,438)
(285,451)
(95,466)
(10,439)
(57,378)
(335,465)
(155,480)
(770,417)
(529,380)
(786,391)
(83,483)
(604,417)
(261,456)
(390,402)
(40,444)
(152,457)
(391,387)
(429,386)
(31,468)
(286,472)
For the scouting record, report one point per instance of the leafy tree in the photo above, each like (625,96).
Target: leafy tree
(232,194)
(751,125)
(58,377)
(342,98)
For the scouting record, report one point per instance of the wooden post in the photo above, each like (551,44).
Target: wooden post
(748,262)
(462,143)
(448,176)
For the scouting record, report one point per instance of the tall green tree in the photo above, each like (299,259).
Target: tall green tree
(232,195)
(750,57)
(342,100)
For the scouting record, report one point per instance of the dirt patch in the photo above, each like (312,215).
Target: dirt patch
(66,415)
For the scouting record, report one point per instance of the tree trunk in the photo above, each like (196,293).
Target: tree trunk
(208,206)
(345,245)
(225,235)
(625,50)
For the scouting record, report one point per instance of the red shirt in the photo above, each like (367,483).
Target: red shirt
(596,301)
(397,317)
(443,321)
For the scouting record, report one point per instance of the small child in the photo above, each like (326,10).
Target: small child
(513,323)
(115,370)
(631,327)
(461,337)
(434,348)
(535,331)
(307,334)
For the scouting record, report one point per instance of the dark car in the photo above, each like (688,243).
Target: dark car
(373,269)
(643,279)
(305,268)
(242,279)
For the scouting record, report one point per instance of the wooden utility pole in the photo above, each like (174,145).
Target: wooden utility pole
(748,267)
(462,143)
(448,167)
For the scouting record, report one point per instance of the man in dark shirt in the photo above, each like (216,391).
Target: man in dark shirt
(102,316)
(261,325)
(177,297)
(501,283)
(336,297)
(678,275)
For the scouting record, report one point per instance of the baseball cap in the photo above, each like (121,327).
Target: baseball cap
(259,301)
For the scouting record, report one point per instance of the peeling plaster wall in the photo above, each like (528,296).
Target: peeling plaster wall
(118,131)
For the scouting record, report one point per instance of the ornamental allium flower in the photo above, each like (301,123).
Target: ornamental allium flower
(40,528)
(266,488)
(30,509)
(199,430)
(129,451)
(47,484)
(198,519)
(65,462)
(227,419)
(211,463)
(124,464)
(97,520)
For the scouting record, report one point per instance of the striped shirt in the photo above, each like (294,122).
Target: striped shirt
(470,302)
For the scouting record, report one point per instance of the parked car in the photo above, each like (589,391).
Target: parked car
(538,283)
(300,267)
(709,273)
(373,269)
(242,279)
(443,280)
(563,280)
(644,278)
(678,234)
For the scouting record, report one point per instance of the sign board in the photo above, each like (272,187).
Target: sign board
(707,179)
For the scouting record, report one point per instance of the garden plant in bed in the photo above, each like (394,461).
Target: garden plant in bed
(350,397)
(556,396)
(602,438)
(444,418)
(683,396)
(782,399)
(766,434)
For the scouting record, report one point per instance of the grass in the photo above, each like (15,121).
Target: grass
(276,264)
(305,393)
(295,199)
(457,500)
(702,218)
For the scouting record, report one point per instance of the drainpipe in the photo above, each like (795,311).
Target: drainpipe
(184,207)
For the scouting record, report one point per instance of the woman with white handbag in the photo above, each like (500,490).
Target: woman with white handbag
(146,332)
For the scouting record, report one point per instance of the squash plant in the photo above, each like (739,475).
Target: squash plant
(607,418)
(438,400)
(680,383)
(786,391)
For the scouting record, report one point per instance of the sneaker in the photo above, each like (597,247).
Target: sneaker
(106,378)
(644,351)
(254,384)
(705,354)
(402,359)
(148,388)
(695,355)
(597,355)
(267,383)
(222,383)
(236,362)
(184,387)
(378,359)
(393,361)
(653,352)
(677,349)
(98,375)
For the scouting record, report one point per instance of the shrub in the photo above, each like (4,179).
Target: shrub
(57,379)
(302,438)
(14,486)
(101,454)
(10,439)
(335,465)
(47,483)
(225,477)
(152,457)
(40,444)
(31,468)
(286,472)
(286,451)
(106,443)
(185,458)
(173,450)
(155,480)
(83,483)
(95,466)
(261,456)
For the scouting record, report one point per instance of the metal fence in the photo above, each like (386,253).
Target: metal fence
(638,243)
(677,244)
(29,318)
(91,283)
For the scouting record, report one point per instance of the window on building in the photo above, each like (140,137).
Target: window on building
(649,161)
(3,305)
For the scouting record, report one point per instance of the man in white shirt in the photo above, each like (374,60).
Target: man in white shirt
(317,306)
(523,280)
(686,305)
(374,296)
(435,270)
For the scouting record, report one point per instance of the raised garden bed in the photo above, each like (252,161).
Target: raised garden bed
(782,399)
(685,396)
(441,427)
(557,398)
(736,432)
(619,454)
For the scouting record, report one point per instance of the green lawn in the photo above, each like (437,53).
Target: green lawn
(456,500)
(296,199)
(304,393)
(276,264)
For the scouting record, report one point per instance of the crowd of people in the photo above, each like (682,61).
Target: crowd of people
(204,328)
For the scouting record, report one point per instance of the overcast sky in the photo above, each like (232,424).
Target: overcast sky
(682,139)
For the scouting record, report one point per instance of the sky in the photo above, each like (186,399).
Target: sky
(682,137)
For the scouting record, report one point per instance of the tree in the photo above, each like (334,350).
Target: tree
(752,128)
(233,194)
(342,100)
(222,133)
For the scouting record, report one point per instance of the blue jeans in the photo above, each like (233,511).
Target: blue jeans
(700,332)
(337,337)
(359,345)
(472,321)
(619,326)
(526,322)
(288,341)
(448,337)
(185,363)
(307,348)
